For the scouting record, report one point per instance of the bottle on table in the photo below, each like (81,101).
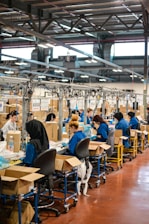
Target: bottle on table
(11,143)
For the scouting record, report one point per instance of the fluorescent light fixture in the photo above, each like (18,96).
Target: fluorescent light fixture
(41,76)
(84,76)
(91,61)
(117,70)
(102,80)
(133,76)
(45,45)
(59,71)
(6,34)
(142,80)
(64,80)
(9,72)
(21,63)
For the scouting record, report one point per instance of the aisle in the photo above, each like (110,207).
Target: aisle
(123,199)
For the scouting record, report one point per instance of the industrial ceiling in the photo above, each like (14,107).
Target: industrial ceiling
(65,22)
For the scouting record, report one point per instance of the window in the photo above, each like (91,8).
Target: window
(17,52)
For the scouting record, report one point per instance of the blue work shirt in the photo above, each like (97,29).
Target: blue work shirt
(103,131)
(30,154)
(133,123)
(77,137)
(123,125)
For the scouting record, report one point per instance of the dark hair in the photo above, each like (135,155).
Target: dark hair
(147,108)
(104,110)
(12,113)
(98,119)
(131,114)
(118,116)
(50,117)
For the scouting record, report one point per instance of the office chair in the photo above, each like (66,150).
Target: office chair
(85,169)
(46,162)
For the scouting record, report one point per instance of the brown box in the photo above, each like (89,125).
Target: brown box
(52,130)
(17,139)
(3,119)
(66,163)
(18,180)
(97,148)
(9,214)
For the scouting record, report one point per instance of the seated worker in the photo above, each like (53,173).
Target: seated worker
(122,124)
(102,128)
(133,123)
(89,116)
(77,134)
(10,125)
(51,117)
(38,141)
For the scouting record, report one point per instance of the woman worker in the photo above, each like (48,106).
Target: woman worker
(10,125)
(102,128)
(77,135)
(122,124)
(38,141)
(133,123)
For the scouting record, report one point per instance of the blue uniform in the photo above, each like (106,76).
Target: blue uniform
(103,131)
(123,125)
(133,123)
(31,154)
(77,137)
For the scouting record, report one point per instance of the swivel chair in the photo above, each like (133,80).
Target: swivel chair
(85,169)
(46,162)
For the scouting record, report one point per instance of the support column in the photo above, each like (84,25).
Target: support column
(145,75)
(60,115)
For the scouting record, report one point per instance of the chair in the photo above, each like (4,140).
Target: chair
(85,169)
(46,162)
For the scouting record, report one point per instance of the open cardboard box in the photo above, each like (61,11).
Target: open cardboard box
(66,163)
(97,148)
(18,180)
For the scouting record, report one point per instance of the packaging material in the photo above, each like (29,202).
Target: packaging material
(52,130)
(17,139)
(3,119)
(18,180)
(97,148)
(66,163)
(9,213)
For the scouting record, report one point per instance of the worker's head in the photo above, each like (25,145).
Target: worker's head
(12,115)
(51,117)
(118,116)
(74,123)
(131,114)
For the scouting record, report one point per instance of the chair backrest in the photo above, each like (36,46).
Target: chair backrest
(46,162)
(81,149)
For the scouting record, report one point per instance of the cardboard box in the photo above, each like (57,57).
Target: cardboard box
(66,163)
(52,130)
(17,139)
(97,148)
(9,214)
(18,180)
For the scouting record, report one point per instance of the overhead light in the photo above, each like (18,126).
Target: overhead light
(45,45)
(41,76)
(84,76)
(91,61)
(9,72)
(142,80)
(64,80)
(58,71)
(117,70)
(21,63)
(133,76)
(6,34)
(102,80)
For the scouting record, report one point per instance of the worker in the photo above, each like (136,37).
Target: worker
(77,135)
(10,125)
(102,128)
(133,123)
(30,116)
(147,116)
(51,117)
(122,124)
(38,141)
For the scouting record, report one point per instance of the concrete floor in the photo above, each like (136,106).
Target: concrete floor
(123,199)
